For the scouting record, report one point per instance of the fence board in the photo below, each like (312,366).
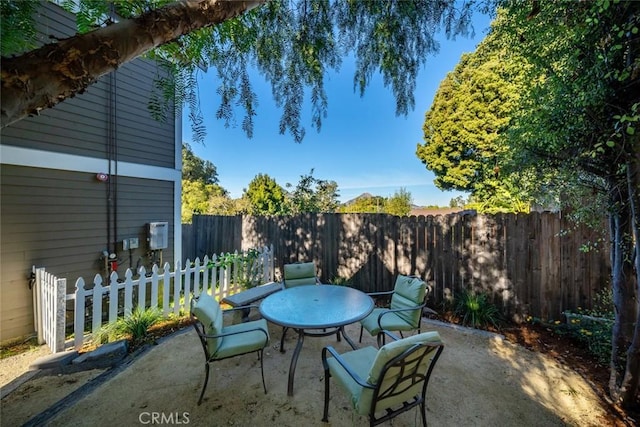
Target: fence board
(529,265)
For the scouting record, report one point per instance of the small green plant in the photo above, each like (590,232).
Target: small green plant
(248,270)
(340,281)
(476,310)
(592,327)
(135,326)
(12,348)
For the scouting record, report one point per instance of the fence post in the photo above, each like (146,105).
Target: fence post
(154,286)
(272,268)
(205,275)
(177,287)
(37,298)
(187,285)
(78,319)
(128,292)
(60,319)
(96,320)
(113,297)
(142,288)
(166,288)
(196,277)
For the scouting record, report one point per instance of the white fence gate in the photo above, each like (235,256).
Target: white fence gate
(166,290)
(49,309)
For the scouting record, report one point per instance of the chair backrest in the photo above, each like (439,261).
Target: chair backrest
(208,312)
(299,274)
(409,291)
(401,370)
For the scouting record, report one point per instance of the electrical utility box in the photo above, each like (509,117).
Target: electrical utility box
(158,235)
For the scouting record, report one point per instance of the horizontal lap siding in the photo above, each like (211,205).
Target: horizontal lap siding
(141,139)
(141,201)
(57,219)
(43,223)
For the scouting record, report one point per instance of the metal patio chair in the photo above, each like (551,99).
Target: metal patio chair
(383,383)
(222,342)
(408,298)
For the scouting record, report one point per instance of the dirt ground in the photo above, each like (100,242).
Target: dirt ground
(480,380)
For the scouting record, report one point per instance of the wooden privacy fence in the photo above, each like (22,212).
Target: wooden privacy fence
(164,289)
(533,264)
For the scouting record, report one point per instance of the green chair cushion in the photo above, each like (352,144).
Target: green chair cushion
(390,322)
(393,349)
(360,362)
(408,292)
(209,313)
(299,274)
(412,288)
(244,342)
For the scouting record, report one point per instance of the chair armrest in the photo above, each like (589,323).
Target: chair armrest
(237,333)
(377,294)
(342,363)
(395,310)
(390,335)
(240,307)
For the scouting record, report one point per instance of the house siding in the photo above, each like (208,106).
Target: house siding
(80,125)
(54,212)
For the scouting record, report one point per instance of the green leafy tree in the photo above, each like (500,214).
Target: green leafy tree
(457,202)
(17,32)
(576,124)
(292,44)
(464,129)
(399,204)
(313,195)
(265,196)
(201,193)
(196,169)
(201,198)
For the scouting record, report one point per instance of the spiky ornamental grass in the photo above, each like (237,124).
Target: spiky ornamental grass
(135,326)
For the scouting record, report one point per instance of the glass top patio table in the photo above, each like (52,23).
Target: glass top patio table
(310,309)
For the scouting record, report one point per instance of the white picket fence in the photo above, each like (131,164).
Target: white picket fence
(164,289)
(49,309)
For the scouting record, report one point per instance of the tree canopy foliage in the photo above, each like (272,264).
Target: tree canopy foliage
(201,193)
(265,196)
(577,120)
(464,130)
(196,169)
(564,122)
(293,44)
(399,204)
(313,195)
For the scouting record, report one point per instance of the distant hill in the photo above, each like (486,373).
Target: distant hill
(360,197)
(415,209)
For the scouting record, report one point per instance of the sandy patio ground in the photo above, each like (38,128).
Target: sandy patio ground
(480,380)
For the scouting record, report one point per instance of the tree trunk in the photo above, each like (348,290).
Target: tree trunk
(622,282)
(41,78)
(629,386)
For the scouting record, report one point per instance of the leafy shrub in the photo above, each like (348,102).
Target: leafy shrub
(248,269)
(592,327)
(135,326)
(340,281)
(476,310)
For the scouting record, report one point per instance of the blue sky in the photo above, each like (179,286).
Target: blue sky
(362,145)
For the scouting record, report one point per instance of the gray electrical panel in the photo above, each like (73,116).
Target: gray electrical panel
(158,235)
